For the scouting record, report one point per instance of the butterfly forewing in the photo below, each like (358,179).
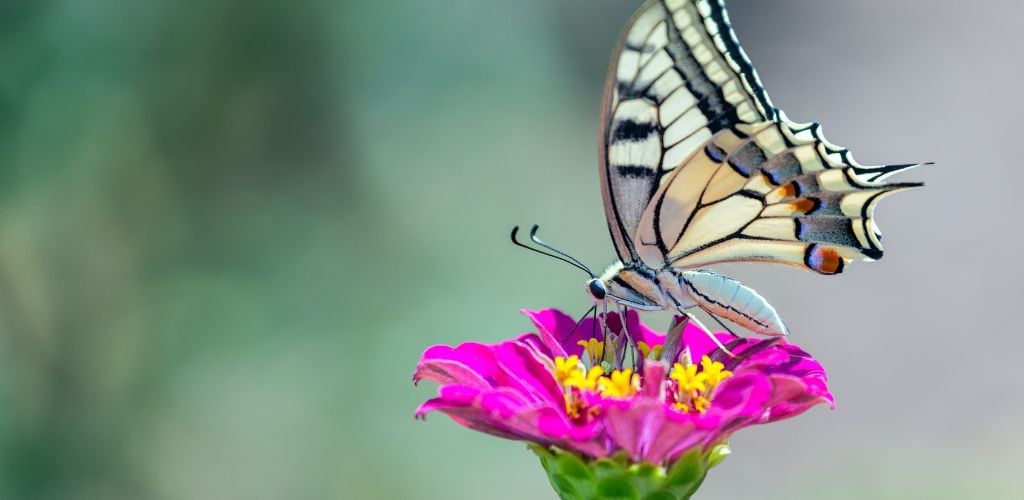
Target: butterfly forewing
(678,77)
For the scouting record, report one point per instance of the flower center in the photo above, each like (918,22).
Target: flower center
(578,383)
(689,388)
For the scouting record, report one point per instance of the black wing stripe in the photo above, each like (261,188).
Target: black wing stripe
(739,56)
(635,171)
(629,130)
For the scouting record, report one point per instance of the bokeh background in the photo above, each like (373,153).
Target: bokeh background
(229,227)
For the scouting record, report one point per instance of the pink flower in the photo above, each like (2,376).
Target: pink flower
(537,387)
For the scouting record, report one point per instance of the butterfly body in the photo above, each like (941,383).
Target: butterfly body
(698,167)
(635,286)
(640,287)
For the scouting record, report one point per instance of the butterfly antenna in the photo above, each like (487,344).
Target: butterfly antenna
(556,255)
(535,239)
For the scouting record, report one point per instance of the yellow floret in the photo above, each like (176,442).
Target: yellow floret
(594,348)
(701,404)
(620,384)
(565,368)
(688,379)
(585,383)
(713,371)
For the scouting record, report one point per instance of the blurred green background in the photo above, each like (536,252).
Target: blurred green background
(228,228)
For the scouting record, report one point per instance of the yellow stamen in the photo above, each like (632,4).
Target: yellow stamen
(714,371)
(595,374)
(594,349)
(701,404)
(566,367)
(573,407)
(688,379)
(620,384)
(586,383)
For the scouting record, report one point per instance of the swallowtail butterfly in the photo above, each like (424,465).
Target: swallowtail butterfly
(698,168)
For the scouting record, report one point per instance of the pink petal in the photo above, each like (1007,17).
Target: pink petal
(497,412)
(447,371)
(772,381)
(534,342)
(626,420)
(531,374)
(556,331)
(793,396)
(589,439)
(737,402)
(677,435)
(474,419)
(467,364)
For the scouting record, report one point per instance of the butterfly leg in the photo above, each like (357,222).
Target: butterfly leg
(604,332)
(629,338)
(622,338)
(578,323)
(711,336)
(725,326)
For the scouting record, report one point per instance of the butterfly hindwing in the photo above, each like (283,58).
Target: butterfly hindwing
(773,191)
(678,77)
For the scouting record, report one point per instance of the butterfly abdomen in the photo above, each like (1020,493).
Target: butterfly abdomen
(729,299)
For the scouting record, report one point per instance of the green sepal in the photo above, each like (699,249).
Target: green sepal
(617,478)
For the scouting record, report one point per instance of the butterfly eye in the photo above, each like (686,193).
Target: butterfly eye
(596,289)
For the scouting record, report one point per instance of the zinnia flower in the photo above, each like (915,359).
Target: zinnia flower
(638,413)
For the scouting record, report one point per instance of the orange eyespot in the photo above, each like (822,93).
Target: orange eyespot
(831,262)
(825,260)
(804,205)
(789,190)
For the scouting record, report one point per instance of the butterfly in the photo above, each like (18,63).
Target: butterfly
(698,168)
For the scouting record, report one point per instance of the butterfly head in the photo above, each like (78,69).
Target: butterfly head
(603,289)
(597,290)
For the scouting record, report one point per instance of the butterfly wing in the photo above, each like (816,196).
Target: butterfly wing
(678,77)
(773,191)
